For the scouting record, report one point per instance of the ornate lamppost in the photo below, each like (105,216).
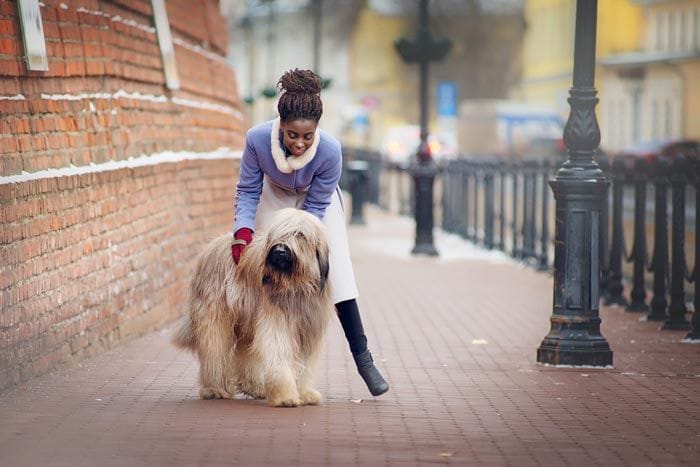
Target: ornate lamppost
(423,49)
(579,187)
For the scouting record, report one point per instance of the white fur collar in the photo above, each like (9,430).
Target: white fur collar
(288,164)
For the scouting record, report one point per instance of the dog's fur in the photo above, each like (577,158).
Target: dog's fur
(258,327)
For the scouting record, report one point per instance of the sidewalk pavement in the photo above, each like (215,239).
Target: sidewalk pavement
(456,337)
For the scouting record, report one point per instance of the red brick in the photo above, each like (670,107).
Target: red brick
(7,8)
(52,31)
(10,46)
(10,67)
(56,68)
(7,27)
(72,50)
(75,68)
(67,15)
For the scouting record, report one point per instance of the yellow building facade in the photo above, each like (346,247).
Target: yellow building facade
(548,50)
(653,93)
(375,68)
(648,74)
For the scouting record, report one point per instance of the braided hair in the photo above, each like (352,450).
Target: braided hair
(300,96)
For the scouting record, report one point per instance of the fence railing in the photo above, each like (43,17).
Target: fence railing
(509,206)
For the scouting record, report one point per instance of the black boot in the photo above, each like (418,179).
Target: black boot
(374,380)
(349,316)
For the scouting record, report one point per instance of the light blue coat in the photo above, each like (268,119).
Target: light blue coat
(316,172)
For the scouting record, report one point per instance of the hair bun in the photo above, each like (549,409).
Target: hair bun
(298,81)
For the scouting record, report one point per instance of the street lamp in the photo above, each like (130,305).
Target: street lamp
(580,188)
(423,49)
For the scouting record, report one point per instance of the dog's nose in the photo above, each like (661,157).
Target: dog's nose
(280,258)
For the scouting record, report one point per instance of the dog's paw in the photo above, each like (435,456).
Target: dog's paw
(213,393)
(252,395)
(311,397)
(284,401)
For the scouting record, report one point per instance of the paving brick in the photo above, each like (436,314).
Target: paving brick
(456,337)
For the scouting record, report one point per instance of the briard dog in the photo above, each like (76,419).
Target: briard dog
(257,328)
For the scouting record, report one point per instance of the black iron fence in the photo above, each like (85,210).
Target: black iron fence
(508,205)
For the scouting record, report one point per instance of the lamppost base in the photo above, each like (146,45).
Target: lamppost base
(617,300)
(563,357)
(423,179)
(593,351)
(637,307)
(676,326)
(424,249)
(575,341)
(657,315)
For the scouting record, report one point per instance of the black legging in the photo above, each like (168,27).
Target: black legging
(350,319)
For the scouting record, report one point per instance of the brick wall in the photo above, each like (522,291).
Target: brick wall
(110,183)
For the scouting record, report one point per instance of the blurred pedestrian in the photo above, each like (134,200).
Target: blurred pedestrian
(290,162)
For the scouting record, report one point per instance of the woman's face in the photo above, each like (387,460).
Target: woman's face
(298,135)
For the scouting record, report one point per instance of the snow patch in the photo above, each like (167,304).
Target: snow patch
(607,367)
(450,247)
(138,96)
(166,157)
(16,97)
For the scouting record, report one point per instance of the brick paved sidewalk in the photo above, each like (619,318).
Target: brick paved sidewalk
(456,338)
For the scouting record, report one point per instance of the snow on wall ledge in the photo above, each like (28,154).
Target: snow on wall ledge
(153,159)
(104,96)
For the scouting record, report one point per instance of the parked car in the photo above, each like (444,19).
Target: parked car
(509,129)
(400,145)
(670,148)
(551,147)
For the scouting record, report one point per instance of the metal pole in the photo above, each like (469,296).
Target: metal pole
(475,231)
(615,288)
(579,189)
(604,230)
(488,204)
(677,309)
(694,334)
(515,251)
(544,234)
(659,260)
(639,248)
(464,201)
(424,172)
(447,195)
(502,206)
(316,5)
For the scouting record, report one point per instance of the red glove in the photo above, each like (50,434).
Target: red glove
(242,239)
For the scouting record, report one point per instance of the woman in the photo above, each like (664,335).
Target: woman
(291,162)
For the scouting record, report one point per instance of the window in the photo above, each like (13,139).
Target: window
(654,119)
(672,27)
(682,28)
(622,126)
(674,30)
(695,30)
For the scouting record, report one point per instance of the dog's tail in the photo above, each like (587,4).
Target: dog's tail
(207,291)
(184,336)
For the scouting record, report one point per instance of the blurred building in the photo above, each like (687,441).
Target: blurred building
(372,91)
(648,78)
(652,92)
(269,37)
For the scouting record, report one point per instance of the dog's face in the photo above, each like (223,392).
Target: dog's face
(292,254)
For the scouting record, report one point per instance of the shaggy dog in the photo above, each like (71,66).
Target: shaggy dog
(258,327)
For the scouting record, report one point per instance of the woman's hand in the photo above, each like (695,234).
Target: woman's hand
(242,239)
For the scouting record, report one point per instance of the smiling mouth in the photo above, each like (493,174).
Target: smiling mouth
(298,151)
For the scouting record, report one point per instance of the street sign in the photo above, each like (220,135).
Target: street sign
(447,99)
